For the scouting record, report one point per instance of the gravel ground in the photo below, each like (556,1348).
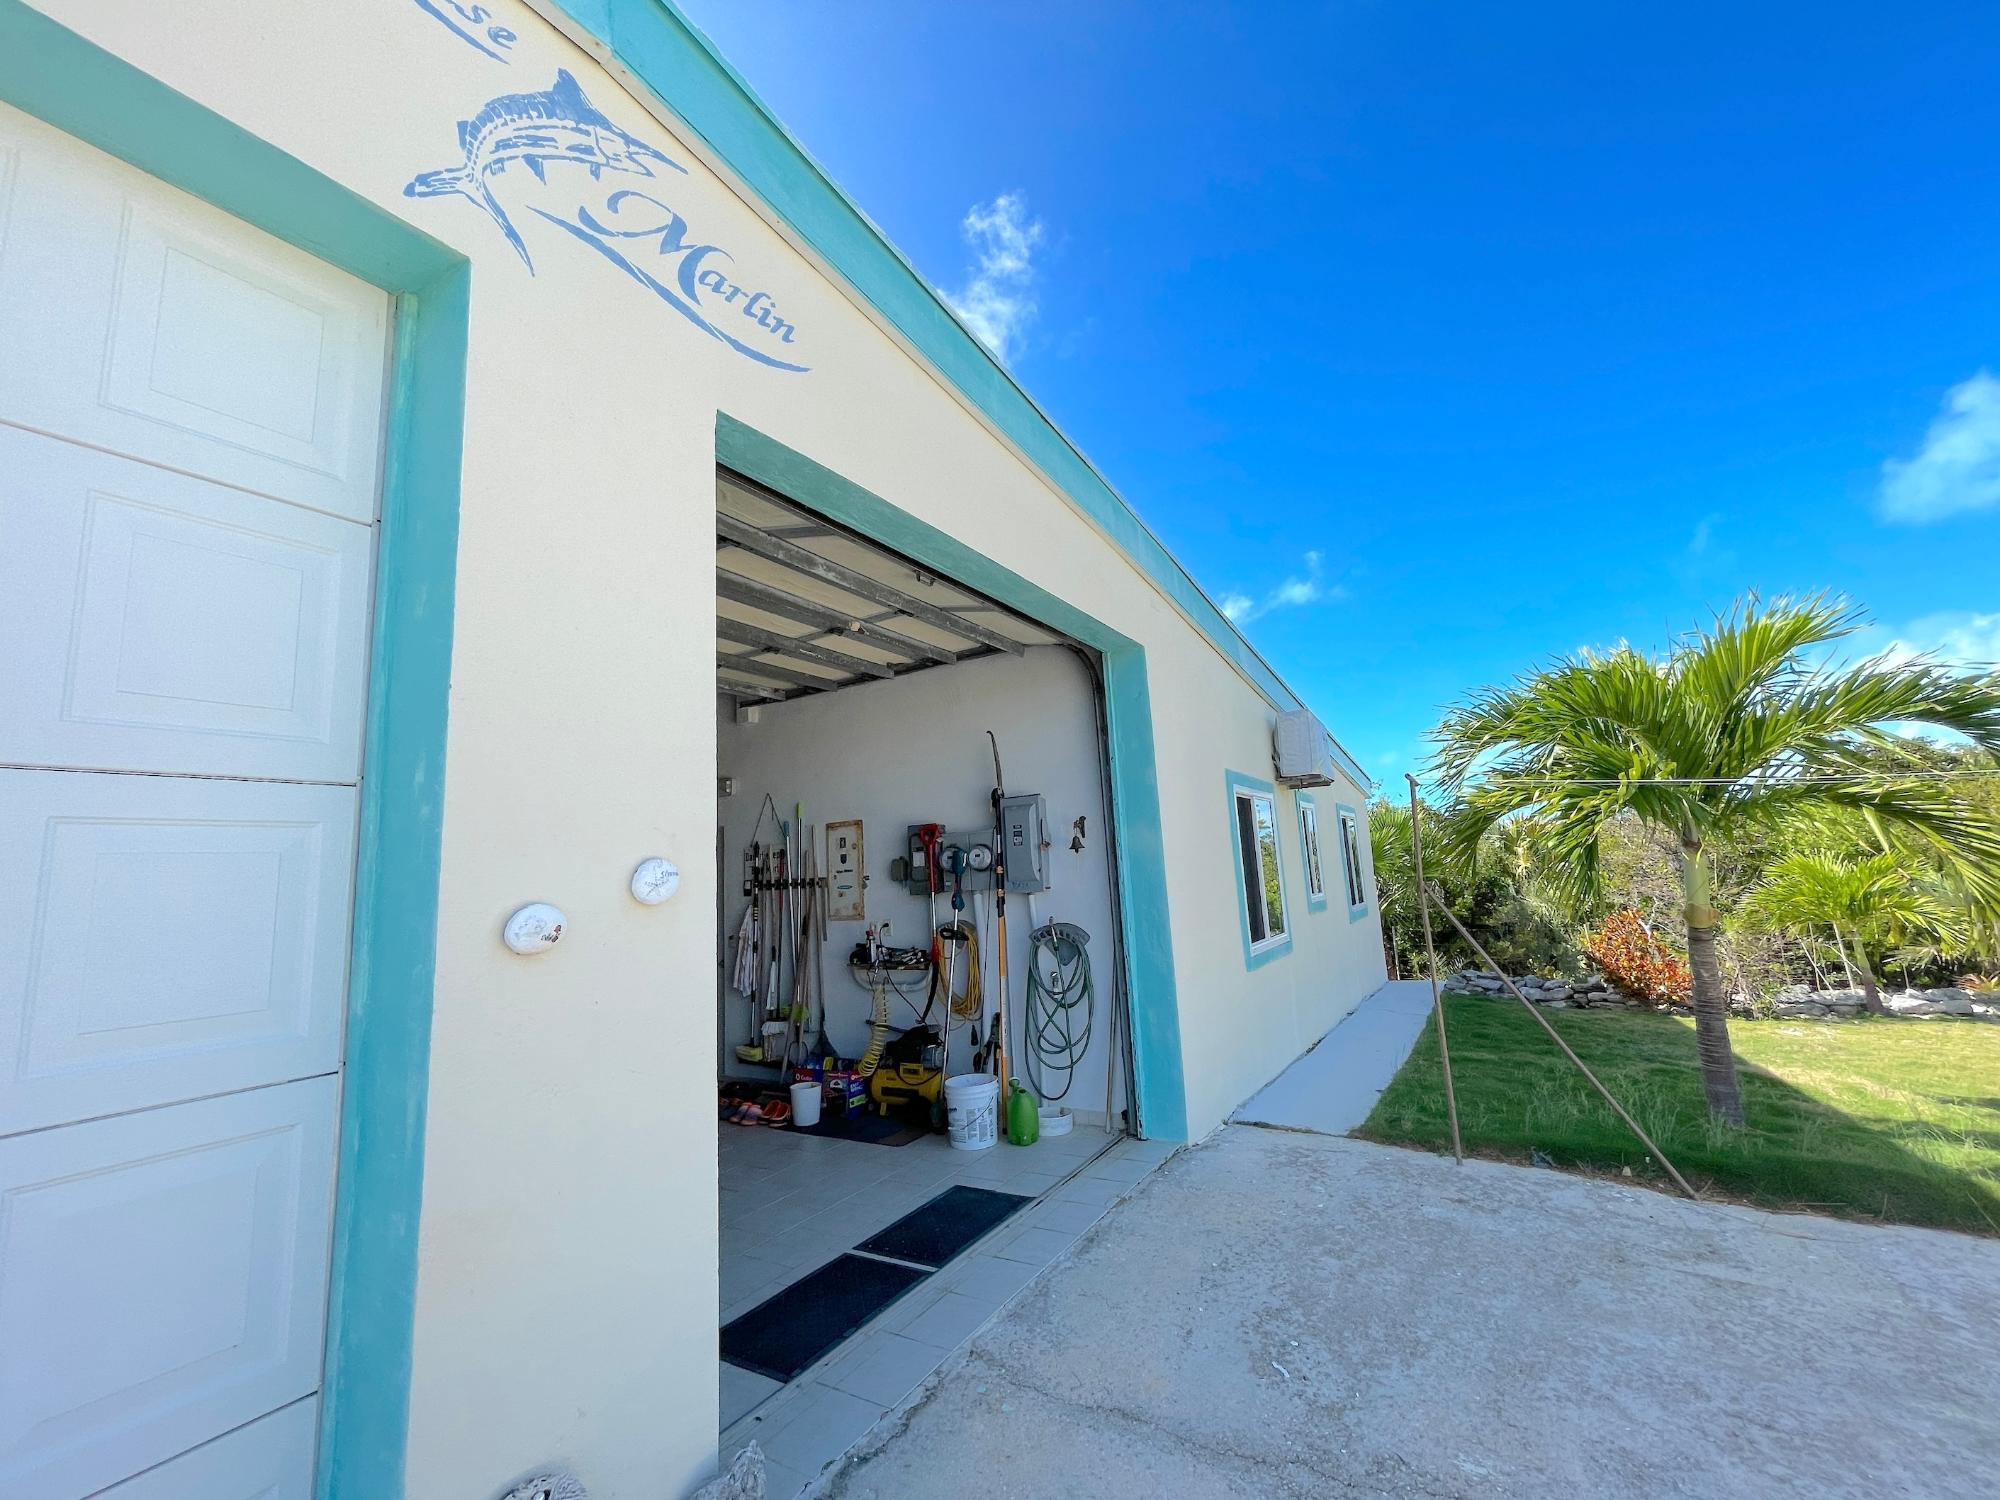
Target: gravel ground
(1279,1314)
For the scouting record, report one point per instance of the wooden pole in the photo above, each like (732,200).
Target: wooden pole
(1430,948)
(1000,931)
(1582,1067)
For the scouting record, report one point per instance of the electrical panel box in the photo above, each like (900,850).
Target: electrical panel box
(965,856)
(1305,750)
(1024,841)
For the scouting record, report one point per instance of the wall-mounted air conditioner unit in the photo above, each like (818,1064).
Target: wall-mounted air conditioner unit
(1305,750)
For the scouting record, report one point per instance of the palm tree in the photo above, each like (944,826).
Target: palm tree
(1860,900)
(1739,726)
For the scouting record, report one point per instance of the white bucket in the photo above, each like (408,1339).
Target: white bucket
(1056,1120)
(805,1105)
(972,1105)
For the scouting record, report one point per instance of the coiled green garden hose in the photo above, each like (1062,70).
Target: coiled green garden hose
(1061,1007)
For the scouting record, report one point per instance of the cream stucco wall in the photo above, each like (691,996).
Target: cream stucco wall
(565,1306)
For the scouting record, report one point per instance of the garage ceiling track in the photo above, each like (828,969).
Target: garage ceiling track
(803,606)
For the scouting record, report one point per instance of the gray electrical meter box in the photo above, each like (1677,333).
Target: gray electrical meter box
(1024,841)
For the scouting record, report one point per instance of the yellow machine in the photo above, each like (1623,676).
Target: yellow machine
(911,1067)
(894,1084)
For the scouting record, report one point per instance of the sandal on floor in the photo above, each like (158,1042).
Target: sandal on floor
(777,1112)
(745,1113)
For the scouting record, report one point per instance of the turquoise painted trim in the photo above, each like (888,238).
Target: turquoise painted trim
(1308,840)
(1355,912)
(1255,957)
(52,73)
(669,54)
(1159,1078)
(364,1417)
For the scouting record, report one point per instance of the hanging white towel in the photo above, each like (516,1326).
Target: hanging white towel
(744,977)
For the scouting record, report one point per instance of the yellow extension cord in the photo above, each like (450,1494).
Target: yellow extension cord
(970,1004)
(878,1025)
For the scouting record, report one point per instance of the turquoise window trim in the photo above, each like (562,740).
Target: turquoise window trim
(1355,910)
(50,72)
(1135,796)
(669,54)
(1308,840)
(1255,957)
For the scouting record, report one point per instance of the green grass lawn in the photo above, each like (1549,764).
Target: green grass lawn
(1889,1120)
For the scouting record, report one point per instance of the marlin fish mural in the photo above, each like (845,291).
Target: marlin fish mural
(646,238)
(532,131)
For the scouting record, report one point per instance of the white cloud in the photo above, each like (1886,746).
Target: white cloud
(1959,637)
(1958,467)
(1306,587)
(998,301)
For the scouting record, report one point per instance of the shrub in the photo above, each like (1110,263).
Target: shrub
(1634,960)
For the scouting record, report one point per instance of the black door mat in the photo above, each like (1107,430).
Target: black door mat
(933,1234)
(782,1335)
(870,1130)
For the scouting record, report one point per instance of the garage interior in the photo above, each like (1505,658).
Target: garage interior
(859,843)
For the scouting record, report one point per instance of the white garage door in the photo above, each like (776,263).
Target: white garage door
(190,424)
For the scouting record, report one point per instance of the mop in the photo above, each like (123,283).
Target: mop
(748,977)
(774,973)
(801,1007)
(822,1048)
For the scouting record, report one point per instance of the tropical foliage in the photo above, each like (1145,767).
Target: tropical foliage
(1516,916)
(1626,953)
(1866,903)
(1745,731)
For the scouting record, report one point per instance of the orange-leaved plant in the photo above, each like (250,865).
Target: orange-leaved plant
(1634,960)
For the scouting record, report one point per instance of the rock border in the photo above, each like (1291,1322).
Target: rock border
(1794,1002)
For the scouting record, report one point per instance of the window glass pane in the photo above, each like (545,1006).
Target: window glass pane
(1309,826)
(1355,894)
(1246,844)
(1267,860)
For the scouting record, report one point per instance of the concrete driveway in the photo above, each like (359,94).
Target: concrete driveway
(1280,1314)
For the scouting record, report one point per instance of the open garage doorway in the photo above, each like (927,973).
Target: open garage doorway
(870,1019)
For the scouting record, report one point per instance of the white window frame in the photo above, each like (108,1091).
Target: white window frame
(1352,865)
(1248,793)
(1311,853)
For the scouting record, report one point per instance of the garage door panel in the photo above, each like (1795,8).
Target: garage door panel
(177,1258)
(191,418)
(271,1459)
(150,621)
(164,330)
(179,938)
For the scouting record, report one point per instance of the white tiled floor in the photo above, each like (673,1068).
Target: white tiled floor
(790,1203)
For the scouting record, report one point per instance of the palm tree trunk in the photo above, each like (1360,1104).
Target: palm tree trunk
(1871,992)
(1711,1009)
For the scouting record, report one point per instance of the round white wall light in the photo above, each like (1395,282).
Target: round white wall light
(655,881)
(535,928)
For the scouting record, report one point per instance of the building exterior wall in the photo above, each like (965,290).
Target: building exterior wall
(567,1249)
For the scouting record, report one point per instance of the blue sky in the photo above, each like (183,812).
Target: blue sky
(1439,340)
